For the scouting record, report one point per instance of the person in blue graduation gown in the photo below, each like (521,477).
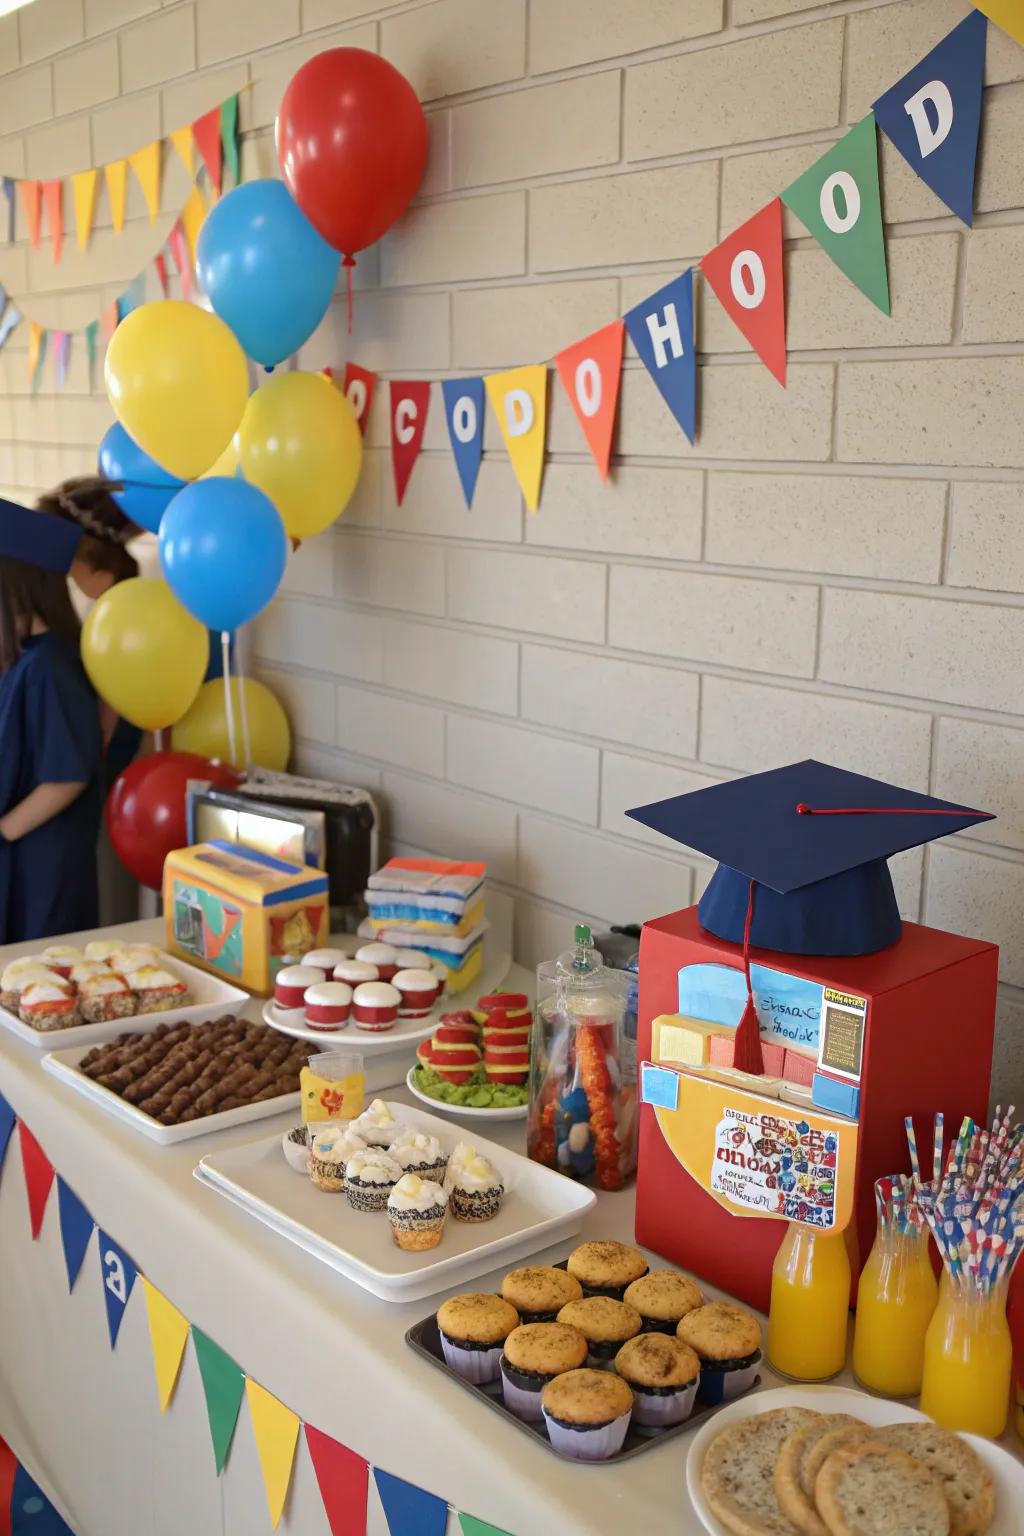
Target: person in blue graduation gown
(50,738)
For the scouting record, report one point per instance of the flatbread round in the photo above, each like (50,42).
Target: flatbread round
(966,1482)
(795,1501)
(869,1488)
(823,1448)
(738,1473)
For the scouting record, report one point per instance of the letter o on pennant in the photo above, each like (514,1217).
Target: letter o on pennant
(843,183)
(587,384)
(464,419)
(356,394)
(747,279)
(518,413)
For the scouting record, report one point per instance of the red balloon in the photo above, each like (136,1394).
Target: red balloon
(145,811)
(352,145)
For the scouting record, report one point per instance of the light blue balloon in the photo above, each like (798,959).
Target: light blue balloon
(223,549)
(266,271)
(148,488)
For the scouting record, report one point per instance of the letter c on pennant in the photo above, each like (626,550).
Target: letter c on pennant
(405,417)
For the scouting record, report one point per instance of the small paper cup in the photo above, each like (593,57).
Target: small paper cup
(524,1402)
(588,1444)
(721,1386)
(660,1409)
(478,1366)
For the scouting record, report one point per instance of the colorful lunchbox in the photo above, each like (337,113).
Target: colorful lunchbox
(242,914)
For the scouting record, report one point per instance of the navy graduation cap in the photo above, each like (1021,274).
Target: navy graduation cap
(37,538)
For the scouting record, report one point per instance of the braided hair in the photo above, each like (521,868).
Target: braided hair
(87,500)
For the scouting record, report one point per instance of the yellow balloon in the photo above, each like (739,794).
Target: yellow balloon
(226,464)
(301,444)
(144,653)
(178,382)
(205,728)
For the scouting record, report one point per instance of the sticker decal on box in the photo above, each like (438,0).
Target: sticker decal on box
(841,1048)
(776,1166)
(659,1086)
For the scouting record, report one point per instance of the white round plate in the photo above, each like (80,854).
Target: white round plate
(405,1031)
(465,1111)
(1007,1472)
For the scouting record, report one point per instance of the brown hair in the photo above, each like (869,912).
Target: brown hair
(28,593)
(87,501)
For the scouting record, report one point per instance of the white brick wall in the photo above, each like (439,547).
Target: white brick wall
(836,569)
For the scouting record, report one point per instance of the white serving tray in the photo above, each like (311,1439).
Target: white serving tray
(209,994)
(540,1208)
(64,1066)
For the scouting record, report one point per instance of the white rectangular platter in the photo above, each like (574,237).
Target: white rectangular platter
(540,1208)
(64,1066)
(210,996)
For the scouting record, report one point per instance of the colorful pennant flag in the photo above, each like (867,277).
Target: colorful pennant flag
(229,137)
(183,142)
(109,320)
(590,372)
(8,1119)
(9,193)
(410,1511)
(1007,14)
(343,1479)
(83,192)
(661,329)
(61,356)
(745,271)
(206,132)
(464,413)
(36,354)
(160,262)
(146,165)
(192,216)
(276,1429)
(32,198)
(839,202)
(223,1387)
(133,297)
(410,401)
(116,177)
(176,241)
(933,115)
(10,318)
(28,1509)
(519,399)
(76,1225)
(53,197)
(35,1165)
(168,1334)
(91,332)
(358,389)
(118,1273)
(471,1526)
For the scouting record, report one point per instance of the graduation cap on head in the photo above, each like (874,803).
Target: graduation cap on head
(801,854)
(37,538)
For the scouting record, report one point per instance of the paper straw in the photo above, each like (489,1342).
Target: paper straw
(912,1145)
(937,1146)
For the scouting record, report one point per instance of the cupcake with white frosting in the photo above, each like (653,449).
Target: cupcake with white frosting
(331,1145)
(383,956)
(377,1125)
(420,1153)
(419,992)
(464,1153)
(355,972)
(325,960)
(476,1190)
(375,1005)
(370,1177)
(416,1211)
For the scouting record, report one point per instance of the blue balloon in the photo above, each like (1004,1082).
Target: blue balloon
(148,488)
(223,549)
(266,271)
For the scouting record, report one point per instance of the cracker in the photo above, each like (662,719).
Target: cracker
(794,1500)
(869,1488)
(966,1482)
(738,1472)
(816,1455)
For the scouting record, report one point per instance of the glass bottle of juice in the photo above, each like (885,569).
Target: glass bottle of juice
(810,1305)
(896,1297)
(968,1360)
(1015,1318)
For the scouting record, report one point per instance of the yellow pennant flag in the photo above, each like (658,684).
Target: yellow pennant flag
(276,1429)
(1008,14)
(519,399)
(83,190)
(146,165)
(168,1333)
(192,216)
(183,142)
(35,347)
(116,176)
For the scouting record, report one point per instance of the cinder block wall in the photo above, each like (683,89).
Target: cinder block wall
(836,569)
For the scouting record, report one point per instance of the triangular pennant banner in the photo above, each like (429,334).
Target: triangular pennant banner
(358,389)
(108,320)
(223,1386)
(9,193)
(168,1334)
(1007,14)
(61,355)
(206,130)
(519,399)
(30,1510)
(10,318)
(32,201)
(229,136)
(839,202)
(192,216)
(464,413)
(176,241)
(933,115)
(160,262)
(53,197)
(590,372)
(35,1164)
(471,1526)
(146,165)
(342,1478)
(91,331)
(661,329)
(183,142)
(116,177)
(746,274)
(410,401)
(410,1511)
(276,1429)
(83,192)
(118,1273)
(36,353)
(8,1119)
(133,296)
(76,1226)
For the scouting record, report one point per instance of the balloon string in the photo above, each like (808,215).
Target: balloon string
(159,738)
(229,712)
(348,263)
(244,711)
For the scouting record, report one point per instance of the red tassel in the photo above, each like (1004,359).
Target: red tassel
(746,1055)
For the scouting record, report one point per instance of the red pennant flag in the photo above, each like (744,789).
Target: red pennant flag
(746,274)
(32,197)
(160,262)
(342,1478)
(38,1172)
(358,389)
(590,372)
(176,241)
(53,196)
(108,320)
(206,132)
(410,400)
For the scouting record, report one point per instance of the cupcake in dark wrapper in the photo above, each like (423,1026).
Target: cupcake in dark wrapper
(662,1298)
(416,1210)
(587,1414)
(418,1152)
(370,1177)
(728,1340)
(535,1353)
(476,1190)
(539,1291)
(473,1329)
(663,1373)
(604,1323)
(605,1267)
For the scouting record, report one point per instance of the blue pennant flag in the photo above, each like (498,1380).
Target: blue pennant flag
(133,296)
(410,1511)
(118,1278)
(464,413)
(31,1513)
(75,1229)
(661,329)
(7,1122)
(9,194)
(933,115)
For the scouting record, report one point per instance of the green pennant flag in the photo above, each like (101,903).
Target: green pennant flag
(229,135)
(839,201)
(224,1387)
(471,1526)
(91,331)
